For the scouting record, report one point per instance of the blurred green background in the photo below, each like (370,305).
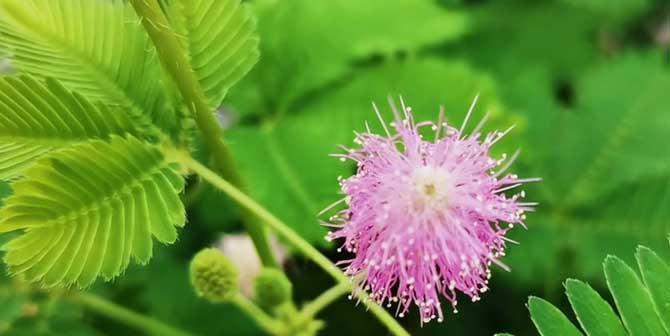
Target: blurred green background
(586,82)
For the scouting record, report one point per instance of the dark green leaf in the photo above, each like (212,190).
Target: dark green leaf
(632,299)
(549,320)
(656,276)
(307,44)
(594,314)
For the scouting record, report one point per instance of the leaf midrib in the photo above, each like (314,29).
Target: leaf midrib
(46,139)
(287,172)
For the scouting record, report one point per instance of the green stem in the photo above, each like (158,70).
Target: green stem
(177,65)
(311,309)
(270,325)
(273,222)
(125,316)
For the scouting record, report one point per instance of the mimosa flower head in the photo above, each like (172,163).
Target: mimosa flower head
(425,219)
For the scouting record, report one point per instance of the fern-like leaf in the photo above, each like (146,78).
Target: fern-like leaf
(221,40)
(84,211)
(97,48)
(642,303)
(37,117)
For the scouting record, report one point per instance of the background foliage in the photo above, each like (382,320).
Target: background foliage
(585,82)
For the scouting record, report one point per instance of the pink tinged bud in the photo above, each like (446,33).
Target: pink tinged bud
(426,218)
(241,251)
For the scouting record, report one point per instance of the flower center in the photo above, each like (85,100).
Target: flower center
(432,186)
(429,189)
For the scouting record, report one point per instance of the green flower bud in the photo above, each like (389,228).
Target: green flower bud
(272,287)
(213,276)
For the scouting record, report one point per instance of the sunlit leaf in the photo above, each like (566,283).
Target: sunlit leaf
(85,211)
(221,40)
(97,48)
(37,117)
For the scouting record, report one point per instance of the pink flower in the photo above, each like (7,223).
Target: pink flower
(426,218)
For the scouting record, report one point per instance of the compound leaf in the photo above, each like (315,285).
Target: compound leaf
(86,210)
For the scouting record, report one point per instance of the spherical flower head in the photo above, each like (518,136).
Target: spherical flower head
(213,276)
(272,287)
(426,218)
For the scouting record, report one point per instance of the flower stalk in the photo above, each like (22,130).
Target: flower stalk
(263,320)
(285,231)
(176,64)
(130,318)
(311,309)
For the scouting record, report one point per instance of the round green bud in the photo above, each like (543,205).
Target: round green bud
(272,287)
(213,276)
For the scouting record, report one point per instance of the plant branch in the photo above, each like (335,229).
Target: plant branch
(118,313)
(269,324)
(176,63)
(285,231)
(311,309)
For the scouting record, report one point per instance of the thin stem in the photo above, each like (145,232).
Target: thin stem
(273,222)
(118,313)
(176,64)
(269,324)
(311,309)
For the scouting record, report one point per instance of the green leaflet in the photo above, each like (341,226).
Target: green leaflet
(642,313)
(220,38)
(96,48)
(37,117)
(656,275)
(594,314)
(85,211)
(93,193)
(549,320)
(632,299)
